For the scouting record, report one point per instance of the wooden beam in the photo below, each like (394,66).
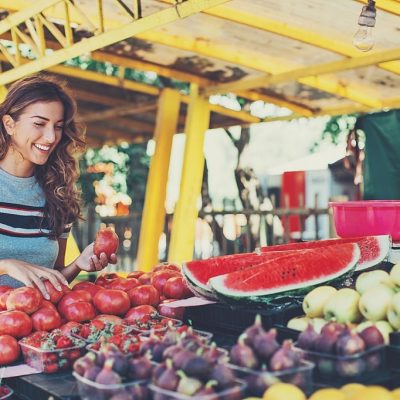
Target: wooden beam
(124,31)
(120,110)
(91,97)
(313,70)
(298,32)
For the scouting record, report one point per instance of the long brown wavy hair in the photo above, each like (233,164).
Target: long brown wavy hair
(58,175)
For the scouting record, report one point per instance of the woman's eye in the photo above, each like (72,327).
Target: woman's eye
(60,128)
(38,124)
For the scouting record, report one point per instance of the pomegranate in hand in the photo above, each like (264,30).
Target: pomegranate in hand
(106,242)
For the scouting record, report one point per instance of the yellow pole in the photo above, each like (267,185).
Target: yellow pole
(185,215)
(154,206)
(3,93)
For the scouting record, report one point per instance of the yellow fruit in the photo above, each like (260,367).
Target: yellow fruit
(372,393)
(283,391)
(328,394)
(351,389)
(396,394)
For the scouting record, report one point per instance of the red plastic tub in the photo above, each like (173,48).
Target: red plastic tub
(367,217)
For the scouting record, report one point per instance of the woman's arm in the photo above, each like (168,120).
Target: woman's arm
(87,261)
(31,274)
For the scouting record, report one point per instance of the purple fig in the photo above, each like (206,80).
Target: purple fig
(140,368)
(333,326)
(84,363)
(223,376)
(181,357)
(120,363)
(265,344)
(212,353)
(158,350)
(253,331)
(326,341)
(91,373)
(197,367)
(372,337)
(349,344)
(107,376)
(171,351)
(285,358)
(373,361)
(158,371)
(168,380)
(243,355)
(307,338)
(139,392)
(207,390)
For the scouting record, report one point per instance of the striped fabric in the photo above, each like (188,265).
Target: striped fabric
(21,220)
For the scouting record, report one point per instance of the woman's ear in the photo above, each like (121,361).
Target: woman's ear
(9,124)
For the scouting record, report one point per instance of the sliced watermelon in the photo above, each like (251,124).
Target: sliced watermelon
(374,249)
(198,272)
(292,272)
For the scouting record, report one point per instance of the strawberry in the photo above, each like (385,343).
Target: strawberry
(63,342)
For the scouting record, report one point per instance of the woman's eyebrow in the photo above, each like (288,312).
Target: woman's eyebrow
(46,119)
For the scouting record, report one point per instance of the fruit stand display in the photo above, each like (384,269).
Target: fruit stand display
(292,319)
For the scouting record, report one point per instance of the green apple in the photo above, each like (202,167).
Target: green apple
(298,323)
(384,327)
(342,306)
(368,280)
(375,302)
(395,274)
(314,302)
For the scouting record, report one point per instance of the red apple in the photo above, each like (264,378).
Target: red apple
(106,242)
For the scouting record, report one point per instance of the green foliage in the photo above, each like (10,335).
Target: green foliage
(130,169)
(336,129)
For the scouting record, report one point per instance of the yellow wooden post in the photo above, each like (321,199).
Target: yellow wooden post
(185,215)
(154,205)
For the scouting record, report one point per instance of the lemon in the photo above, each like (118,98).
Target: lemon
(372,393)
(283,391)
(328,394)
(396,394)
(351,389)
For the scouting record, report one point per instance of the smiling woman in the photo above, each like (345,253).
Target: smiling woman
(38,198)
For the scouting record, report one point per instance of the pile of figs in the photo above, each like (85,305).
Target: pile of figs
(339,351)
(261,361)
(110,374)
(187,373)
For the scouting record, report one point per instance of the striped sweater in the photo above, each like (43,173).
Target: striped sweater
(23,233)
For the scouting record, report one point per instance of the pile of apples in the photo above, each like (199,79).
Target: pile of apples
(375,300)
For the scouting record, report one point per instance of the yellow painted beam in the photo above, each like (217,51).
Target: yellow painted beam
(149,22)
(294,32)
(153,219)
(312,70)
(191,78)
(185,214)
(390,6)
(264,63)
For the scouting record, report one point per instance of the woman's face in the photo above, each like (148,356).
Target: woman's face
(37,132)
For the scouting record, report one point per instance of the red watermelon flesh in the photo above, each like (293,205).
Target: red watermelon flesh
(198,272)
(374,249)
(294,271)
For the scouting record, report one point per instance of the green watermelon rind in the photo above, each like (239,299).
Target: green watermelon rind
(198,290)
(222,292)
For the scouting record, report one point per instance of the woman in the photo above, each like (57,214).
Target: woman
(38,198)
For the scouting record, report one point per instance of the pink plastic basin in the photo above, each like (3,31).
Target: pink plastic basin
(367,217)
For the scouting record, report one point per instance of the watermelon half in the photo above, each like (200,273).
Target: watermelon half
(374,249)
(198,272)
(294,272)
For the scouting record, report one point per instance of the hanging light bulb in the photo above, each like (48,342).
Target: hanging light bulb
(363,38)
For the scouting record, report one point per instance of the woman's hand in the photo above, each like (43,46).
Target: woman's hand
(89,262)
(32,275)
